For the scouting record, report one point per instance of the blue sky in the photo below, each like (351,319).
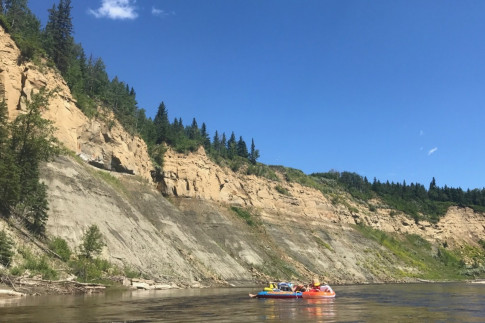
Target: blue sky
(387,89)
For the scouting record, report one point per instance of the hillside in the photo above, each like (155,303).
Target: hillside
(202,223)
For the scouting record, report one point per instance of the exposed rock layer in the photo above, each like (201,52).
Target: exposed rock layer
(196,176)
(109,147)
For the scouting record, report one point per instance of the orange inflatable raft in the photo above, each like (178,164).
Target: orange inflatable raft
(322,292)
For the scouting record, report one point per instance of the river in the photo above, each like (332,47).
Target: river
(443,302)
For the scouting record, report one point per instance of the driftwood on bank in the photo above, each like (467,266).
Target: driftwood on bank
(8,292)
(33,286)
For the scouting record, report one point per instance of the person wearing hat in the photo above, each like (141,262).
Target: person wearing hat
(315,283)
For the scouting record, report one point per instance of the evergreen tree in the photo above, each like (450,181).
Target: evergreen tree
(193,130)
(6,249)
(206,142)
(32,141)
(433,190)
(23,26)
(9,172)
(16,11)
(161,123)
(232,146)
(96,79)
(216,143)
(254,154)
(58,35)
(242,149)
(223,145)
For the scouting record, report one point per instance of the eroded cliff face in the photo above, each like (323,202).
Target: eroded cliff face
(101,141)
(196,239)
(196,176)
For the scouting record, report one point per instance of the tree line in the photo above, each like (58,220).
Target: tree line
(414,199)
(189,138)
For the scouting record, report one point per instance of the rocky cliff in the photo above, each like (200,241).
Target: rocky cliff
(189,234)
(196,176)
(101,141)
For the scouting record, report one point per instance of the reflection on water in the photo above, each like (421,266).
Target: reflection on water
(406,302)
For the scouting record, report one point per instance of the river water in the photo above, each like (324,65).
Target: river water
(444,302)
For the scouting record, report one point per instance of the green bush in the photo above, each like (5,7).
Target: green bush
(245,215)
(86,104)
(89,270)
(481,242)
(282,190)
(261,170)
(38,265)
(6,252)
(131,273)
(60,247)
(85,269)
(236,165)
(448,258)
(16,271)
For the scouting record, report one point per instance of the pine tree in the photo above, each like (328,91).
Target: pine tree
(223,145)
(9,172)
(216,143)
(254,154)
(161,124)
(58,35)
(193,130)
(232,146)
(206,142)
(16,12)
(32,141)
(24,28)
(242,149)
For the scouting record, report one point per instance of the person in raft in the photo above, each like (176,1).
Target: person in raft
(299,288)
(316,286)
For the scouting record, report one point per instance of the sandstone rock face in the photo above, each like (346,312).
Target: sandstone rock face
(196,176)
(108,147)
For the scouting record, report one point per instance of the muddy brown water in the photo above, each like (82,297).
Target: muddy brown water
(444,302)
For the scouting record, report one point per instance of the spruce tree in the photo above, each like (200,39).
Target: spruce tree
(223,145)
(193,131)
(254,154)
(9,172)
(58,35)
(232,146)
(32,142)
(161,124)
(216,143)
(206,142)
(242,149)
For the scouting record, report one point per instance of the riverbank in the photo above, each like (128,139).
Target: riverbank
(11,286)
